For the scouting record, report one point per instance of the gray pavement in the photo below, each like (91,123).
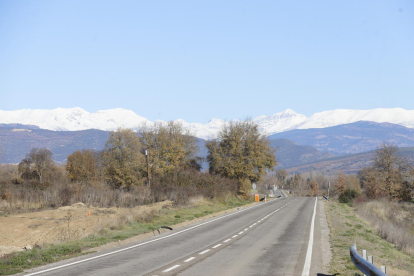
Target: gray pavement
(268,239)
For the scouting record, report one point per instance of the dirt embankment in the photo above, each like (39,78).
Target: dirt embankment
(66,223)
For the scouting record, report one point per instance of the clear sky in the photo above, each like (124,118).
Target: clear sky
(195,60)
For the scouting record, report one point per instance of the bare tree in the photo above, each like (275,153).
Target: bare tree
(36,163)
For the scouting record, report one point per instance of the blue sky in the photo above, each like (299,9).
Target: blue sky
(196,60)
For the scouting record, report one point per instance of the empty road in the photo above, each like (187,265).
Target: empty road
(265,239)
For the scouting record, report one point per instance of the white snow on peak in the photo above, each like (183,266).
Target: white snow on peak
(280,122)
(336,117)
(71,119)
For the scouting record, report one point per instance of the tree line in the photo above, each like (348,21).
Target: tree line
(390,176)
(159,158)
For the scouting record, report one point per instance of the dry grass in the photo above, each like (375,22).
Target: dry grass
(24,197)
(122,228)
(393,221)
(348,228)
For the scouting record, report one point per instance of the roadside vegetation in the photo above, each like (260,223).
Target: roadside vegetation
(348,228)
(158,164)
(373,208)
(123,228)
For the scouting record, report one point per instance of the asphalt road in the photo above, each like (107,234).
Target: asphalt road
(266,239)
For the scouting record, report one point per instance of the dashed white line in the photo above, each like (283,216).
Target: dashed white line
(140,244)
(227,240)
(246,229)
(241,232)
(171,268)
(234,236)
(189,259)
(205,251)
(217,245)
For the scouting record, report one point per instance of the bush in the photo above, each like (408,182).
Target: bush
(180,185)
(348,196)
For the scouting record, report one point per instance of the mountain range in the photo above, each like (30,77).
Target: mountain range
(351,138)
(74,119)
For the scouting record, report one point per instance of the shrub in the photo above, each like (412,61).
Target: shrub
(348,196)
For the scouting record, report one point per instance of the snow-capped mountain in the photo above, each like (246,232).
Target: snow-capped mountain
(280,122)
(337,117)
(71,119)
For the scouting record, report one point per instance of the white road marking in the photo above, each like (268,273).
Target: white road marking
(189,259)
(246,229)
(205,251)
(306,267)
(227,240)
(144,243)
(241,232)
(251,226)
(217,245)
(234,236)
(171,268)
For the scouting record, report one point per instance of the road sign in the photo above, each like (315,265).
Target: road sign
(254,186)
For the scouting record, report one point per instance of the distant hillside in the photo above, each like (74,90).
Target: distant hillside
(351,138)
(348,164)
(288,153)
(16,141)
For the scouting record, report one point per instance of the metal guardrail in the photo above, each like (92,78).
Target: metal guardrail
(366,266)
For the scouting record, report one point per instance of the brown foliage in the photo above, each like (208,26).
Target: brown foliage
(241,153)
(314,188)
(340,184)
(179,185)
(82,166)
(123,161)
(170,146)
(390,176)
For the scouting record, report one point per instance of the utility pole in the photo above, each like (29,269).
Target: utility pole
(148,168)
(329,186)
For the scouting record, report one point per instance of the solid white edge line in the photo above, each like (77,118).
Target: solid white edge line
(306,267)
(171,268)
(140,244)
(205,251)
(217,245)
(189,259)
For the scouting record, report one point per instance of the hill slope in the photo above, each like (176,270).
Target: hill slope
(350,163)
(351,138)
(288,153)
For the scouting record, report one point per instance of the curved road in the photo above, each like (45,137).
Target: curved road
(265,239)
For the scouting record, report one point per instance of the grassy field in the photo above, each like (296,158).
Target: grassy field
(129,227)
(348,228)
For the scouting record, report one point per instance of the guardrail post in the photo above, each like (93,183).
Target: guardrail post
(384,268)
(371,259)
(364,255)
(364,264)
